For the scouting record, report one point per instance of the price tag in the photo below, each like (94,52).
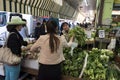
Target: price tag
(101,33)
(88,34)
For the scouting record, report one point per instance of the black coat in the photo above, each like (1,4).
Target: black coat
(15,41)
(39,31)
(42,30)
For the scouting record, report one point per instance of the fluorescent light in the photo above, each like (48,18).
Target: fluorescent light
(58,2)
(86,2)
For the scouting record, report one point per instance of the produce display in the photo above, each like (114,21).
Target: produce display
(113,72)
(97,64)
(73,64)
(100,65)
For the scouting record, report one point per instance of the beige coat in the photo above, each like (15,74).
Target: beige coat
(45,55)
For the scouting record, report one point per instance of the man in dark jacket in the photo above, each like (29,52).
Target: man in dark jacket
(40,29)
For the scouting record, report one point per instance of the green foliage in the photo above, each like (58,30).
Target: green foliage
(97,64)
(112,72)
(79,35)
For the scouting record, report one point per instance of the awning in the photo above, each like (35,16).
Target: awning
(39,8)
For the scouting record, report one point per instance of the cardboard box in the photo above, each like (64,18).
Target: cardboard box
(70,78)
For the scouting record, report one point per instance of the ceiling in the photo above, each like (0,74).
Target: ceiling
(81,4)
(74,3)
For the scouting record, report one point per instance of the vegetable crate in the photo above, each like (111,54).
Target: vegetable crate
(70,78)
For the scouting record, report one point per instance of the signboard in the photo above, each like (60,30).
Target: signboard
(117,1)
(101,33)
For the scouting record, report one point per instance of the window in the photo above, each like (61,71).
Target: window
(3,20)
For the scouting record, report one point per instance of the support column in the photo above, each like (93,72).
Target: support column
(107,12)
(103,12)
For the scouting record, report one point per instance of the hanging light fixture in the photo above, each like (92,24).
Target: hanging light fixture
(86,2)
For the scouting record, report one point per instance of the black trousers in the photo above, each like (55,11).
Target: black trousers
(49,72)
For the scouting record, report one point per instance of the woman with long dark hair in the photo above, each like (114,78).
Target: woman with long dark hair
(51,52)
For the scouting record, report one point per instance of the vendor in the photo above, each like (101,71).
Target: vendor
(64,30)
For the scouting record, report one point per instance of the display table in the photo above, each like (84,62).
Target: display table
(30,66)
(89,42)
(29,71)
(104,40)
(102,43)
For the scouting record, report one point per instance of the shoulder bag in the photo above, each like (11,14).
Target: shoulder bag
(6,55)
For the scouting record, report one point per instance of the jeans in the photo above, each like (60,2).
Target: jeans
(12,72)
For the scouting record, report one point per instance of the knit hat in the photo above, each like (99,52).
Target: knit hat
(16,20)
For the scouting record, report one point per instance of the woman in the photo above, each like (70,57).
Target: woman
(14,42)
(51,52)
(65,30)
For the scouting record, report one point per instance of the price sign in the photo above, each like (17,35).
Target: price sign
(101,33)
(88,33)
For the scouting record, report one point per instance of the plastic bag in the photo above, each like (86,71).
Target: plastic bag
(74,45)
(112,44)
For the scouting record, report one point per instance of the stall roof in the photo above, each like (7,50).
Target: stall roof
(66,9)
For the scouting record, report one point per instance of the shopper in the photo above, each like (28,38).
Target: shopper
(51,52)
(43,29)
(37,30)
(14,42)
(24,30)
(65,30)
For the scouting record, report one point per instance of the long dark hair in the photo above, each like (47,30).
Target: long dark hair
(63,24)
(52,30)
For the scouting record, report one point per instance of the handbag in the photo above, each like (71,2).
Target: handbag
(6,55)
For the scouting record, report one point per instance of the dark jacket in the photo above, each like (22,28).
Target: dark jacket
(15,41)
(39,31)
(42,30)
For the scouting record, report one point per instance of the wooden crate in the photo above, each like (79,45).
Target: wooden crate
(70,78)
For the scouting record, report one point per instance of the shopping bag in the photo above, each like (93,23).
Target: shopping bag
(6,56)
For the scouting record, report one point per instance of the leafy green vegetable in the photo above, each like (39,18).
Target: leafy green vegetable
(79,35)
(73,64)
(97,64)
